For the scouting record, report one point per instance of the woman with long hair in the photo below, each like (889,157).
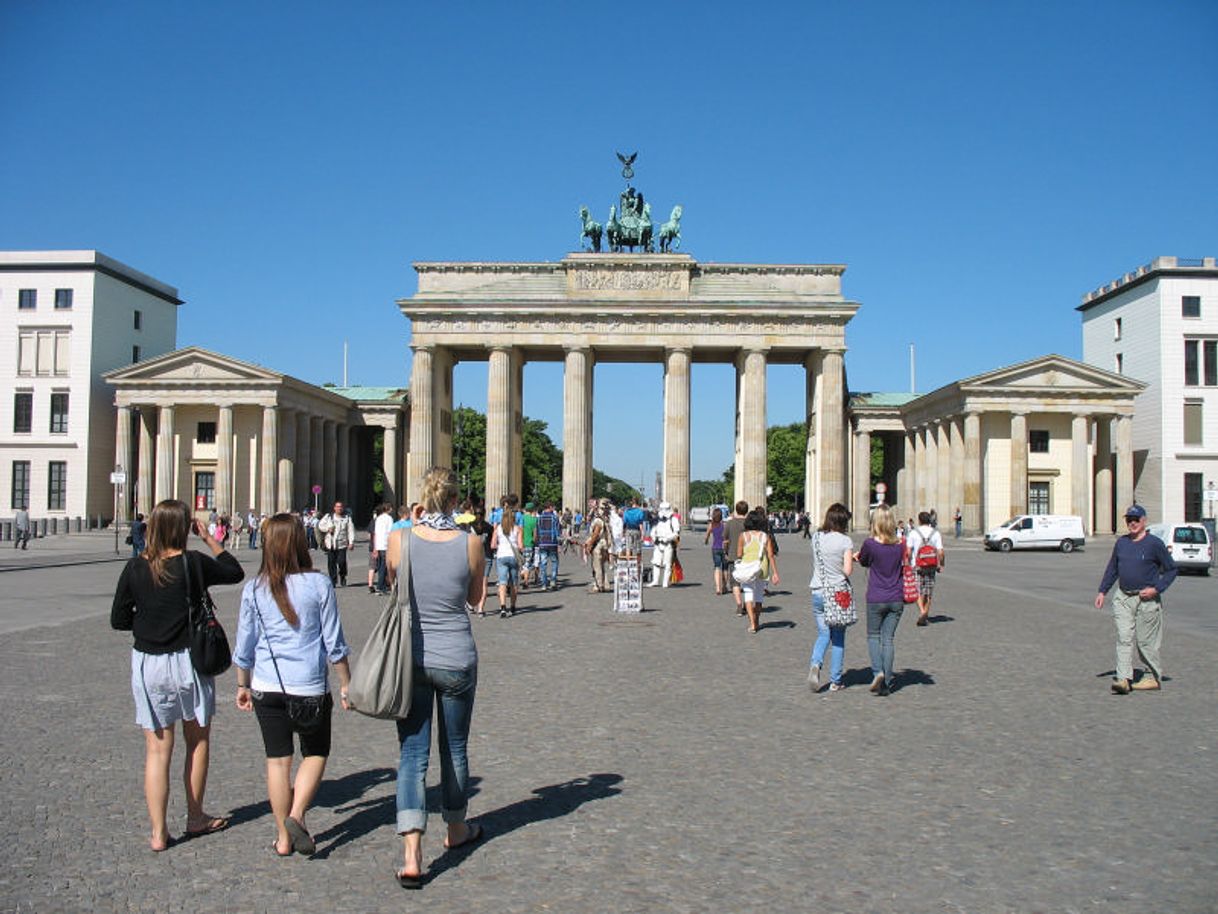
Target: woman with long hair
(151,602)
(446,575)
(287,631)
(755,542)
(832,562)
(882,555)
(714,536)
(507,545)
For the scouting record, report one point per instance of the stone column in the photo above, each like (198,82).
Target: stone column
(676,429)
(300,492)
(287,460)
(973,519)
(442,412)
(832,441)
(1019,463)
(956,483)
(166,458)
(943,486)
(270,461)
(932,468)
(224,459)
(576,433)
(421,456)
(862,479)
(1104,521)
(812,368)
(147,467)
(751,468)
(342,462)
(906,478)
(391,464)
(498,426)
(1080,478)
(517,468)
(920,473)
(329,474)
(317,455)
(1124,462)
(122,460)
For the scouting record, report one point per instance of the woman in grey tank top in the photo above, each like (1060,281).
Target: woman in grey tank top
(446,570)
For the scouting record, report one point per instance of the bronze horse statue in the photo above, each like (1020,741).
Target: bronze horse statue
(670,232)
(591,229)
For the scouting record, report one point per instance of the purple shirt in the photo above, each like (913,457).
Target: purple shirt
(883,561)
(717,537)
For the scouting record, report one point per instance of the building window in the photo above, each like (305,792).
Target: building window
(44,352)
(205,491)
(1038,498)
(59,414)
(1193,414)
(1199,355)
(1116,329)
(1038,441)
(57,485)
(1192,497)
(206,433)
(1210,362)
(135,353)
(1190,306)
(63,299)
(139,319)
(23,412)
(27,299)
(1119,363)
(21,484)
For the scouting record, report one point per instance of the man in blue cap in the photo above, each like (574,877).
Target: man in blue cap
(1143,569)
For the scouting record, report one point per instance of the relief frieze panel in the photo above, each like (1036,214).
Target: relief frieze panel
(614,326)
(628,280)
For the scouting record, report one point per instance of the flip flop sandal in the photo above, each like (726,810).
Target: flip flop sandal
(408,882)
(474,833)
(214,824)
(302,841)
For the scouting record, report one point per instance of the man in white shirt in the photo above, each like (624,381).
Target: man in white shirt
(380,538)
(338,538)
(924,549)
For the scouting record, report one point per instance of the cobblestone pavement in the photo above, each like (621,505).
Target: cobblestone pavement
(667,762)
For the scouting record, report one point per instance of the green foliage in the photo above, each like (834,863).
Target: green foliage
(786,448)
(469,450)
(877,460)
(542,465)
(703,492)
(616,490)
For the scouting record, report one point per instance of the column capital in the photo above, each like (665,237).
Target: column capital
(672,350)
(574,347)
(423,347)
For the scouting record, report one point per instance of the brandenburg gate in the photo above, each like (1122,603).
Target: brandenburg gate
(626,307)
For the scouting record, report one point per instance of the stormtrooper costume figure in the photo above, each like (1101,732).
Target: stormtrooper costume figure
(664,537)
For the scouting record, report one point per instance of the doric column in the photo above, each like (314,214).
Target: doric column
(956,476)
(498,426)
(342,461)
(304,438)
(832,440)
(1104,521)
(862,479)
(287,460)
(421,456)
(517,469)
(972,474)
(391,464)
(166,458)
(329,471)
(147,466)
(122,459)
(1080,478)
(943,487)
(224,459)
(932,468)
(317,457)
(811,389)
(576,432)
(442,415)
(676,429)
(1124,462)
(751,468)
(269,474)
(906,478)
(920,473)
(1019,463)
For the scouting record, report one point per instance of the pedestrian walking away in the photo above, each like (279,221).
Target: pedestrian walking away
(506,544)
(21,526)
(733,530)
(883,555)
(548,534)
(714,536)
(924,550)
(756,545)
(151,601)
(1142,568)
(287,630)
(832,562)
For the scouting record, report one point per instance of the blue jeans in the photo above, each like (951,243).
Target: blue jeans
(508,571)
(453,692)
(826,636)
(547,560)
(882,619)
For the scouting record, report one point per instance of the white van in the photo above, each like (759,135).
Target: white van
(1189,545)
(1038,531)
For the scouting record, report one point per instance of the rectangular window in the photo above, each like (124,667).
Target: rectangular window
(1190,306)
(57,485)
(205,491)
(59,414)
(63,299)
(1119,363)
(1116,329)
(206,433)
(1038,498)
(1192,376)
(23,412)
(135,353)
(27,299)
(1210,349)
(21,484)
(1192,497)
(1038,441)
(139,319)
(1193,415)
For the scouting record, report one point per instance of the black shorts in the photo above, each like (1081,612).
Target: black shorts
(277,728)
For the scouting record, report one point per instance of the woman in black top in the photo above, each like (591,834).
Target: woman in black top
(150,602)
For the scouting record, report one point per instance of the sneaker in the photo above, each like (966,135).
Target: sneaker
(1146,683)
(814,677)
(503,614)
(1121,687)
(877,683)
(884,690)
(836,686)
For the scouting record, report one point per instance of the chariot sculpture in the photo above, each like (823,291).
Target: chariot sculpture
(629,227)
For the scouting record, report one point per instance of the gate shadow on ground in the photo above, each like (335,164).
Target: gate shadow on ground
(550,802)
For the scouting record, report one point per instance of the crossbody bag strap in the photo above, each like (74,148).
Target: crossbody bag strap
(190,609)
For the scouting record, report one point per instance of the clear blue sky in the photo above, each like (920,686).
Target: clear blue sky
(977,166)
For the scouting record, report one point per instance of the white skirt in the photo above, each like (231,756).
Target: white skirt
(167,689)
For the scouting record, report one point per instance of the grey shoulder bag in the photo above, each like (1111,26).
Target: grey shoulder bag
(381,676)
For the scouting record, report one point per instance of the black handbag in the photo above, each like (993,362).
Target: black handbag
(209,651)
(306,712)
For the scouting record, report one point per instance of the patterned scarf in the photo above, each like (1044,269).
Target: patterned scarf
(438,521)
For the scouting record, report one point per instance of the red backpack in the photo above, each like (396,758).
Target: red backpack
(926,555)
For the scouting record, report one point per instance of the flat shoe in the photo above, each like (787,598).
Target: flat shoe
(473,834)
(302,841)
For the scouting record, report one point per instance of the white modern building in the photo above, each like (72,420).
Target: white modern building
(67,317)
(1159,324)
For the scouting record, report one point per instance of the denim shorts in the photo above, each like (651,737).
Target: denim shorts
(719,557)
(508,570)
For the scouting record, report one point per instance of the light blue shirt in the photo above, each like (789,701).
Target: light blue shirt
(301,652)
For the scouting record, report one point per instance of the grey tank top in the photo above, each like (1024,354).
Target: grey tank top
(441,633)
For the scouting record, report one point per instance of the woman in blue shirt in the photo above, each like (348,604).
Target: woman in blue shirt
(287,630)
